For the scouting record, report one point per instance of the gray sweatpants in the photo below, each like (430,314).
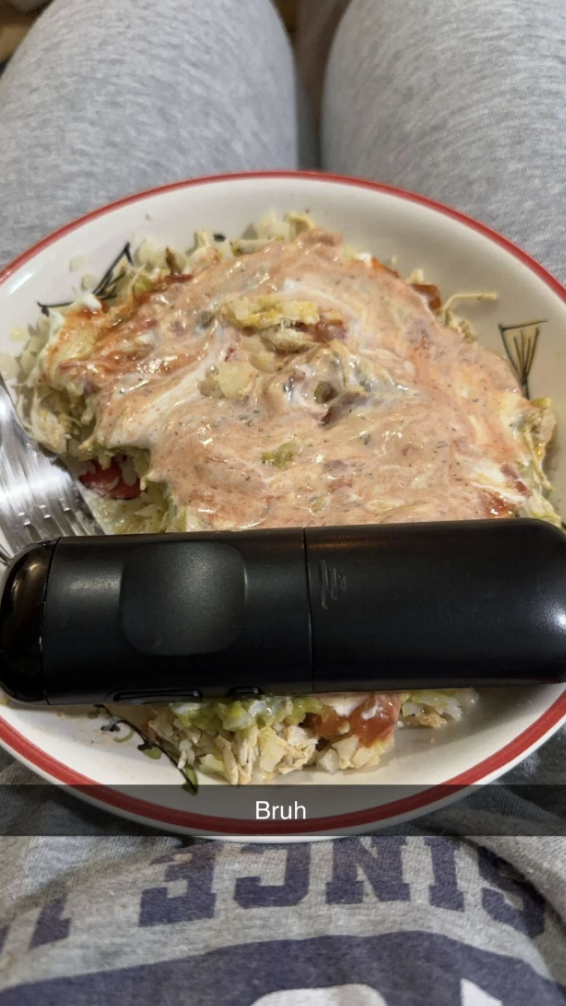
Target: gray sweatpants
(462,100)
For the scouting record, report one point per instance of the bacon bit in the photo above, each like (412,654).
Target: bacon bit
(110,482)
(327,331)
(513,475)
(431,293)
(496,506)
(158,287)
(378,727)
(378,266)
(182,277)
(339,485)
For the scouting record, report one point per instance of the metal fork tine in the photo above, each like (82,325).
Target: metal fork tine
(77,527)
(56,521)
(80,515)
(48,525)
(83,527)
(39,498)
(32,531)
(69,516)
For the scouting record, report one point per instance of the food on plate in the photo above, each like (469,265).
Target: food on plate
(253,740)
(279,380)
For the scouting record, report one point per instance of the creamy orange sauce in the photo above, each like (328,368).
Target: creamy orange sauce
(382,415)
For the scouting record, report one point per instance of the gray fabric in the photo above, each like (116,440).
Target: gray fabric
(463,101)
(105,99)
(403,921)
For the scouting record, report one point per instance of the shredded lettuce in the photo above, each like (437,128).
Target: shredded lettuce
(216,715)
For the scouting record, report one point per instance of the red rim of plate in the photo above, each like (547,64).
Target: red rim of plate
(113,799)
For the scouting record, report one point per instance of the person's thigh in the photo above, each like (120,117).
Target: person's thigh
(460,100)
(104,99)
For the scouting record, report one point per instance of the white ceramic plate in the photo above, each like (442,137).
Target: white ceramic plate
(458,255)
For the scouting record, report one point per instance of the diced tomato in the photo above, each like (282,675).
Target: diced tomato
(110,482)
(381,710)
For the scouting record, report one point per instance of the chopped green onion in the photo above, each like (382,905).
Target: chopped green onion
(281,457)
(324,392)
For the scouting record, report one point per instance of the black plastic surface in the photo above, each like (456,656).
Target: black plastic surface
(205,581)
(438,605)
(132,614)
(391,607)
(246,692)
(21,615)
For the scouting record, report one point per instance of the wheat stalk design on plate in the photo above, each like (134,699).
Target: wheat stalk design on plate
(520,342)
(105,289)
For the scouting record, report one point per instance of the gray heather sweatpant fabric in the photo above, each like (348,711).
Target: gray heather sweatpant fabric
(108,98)
(462,100)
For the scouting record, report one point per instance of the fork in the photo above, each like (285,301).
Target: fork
(39,498)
